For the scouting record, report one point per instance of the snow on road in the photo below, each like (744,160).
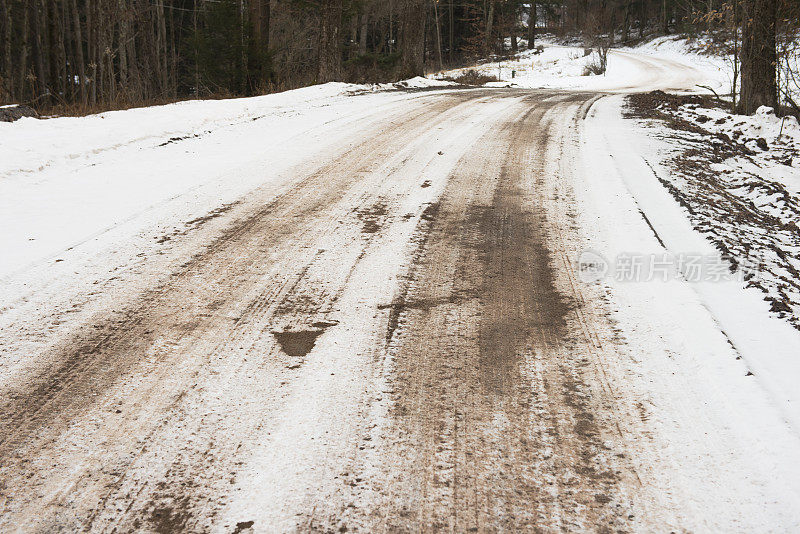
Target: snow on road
(363,308)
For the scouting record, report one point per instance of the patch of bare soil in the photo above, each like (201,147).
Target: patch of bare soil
(14,113)
(748,217)
(297,344)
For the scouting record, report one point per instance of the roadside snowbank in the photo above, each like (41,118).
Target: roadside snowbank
(777,132)
(716,370)
(701,199)
(30,144)
(738,177)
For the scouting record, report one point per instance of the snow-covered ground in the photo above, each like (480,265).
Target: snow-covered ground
(58,188)
(674,65)
(739,179)
(718,340)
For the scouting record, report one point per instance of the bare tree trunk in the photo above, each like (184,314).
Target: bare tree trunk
(532,20)
(41,25)
(512,30)
(626,22)
(162,47)
(7,82)
(79,51)
(487,45)
(438,34)
(758,55)
(330,56)
(47,45)
(391,28)
(196,52)
(362,37)
(23,60)
(412,38)
(735,83)
(93,46)
(642,18)
(260,12)
(59,52)
(136,84)
(122,37)
(450,16)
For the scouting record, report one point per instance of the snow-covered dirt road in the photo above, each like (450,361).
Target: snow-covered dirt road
(362,313)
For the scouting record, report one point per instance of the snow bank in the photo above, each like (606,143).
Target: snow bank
(764,124)
(419,82)
(66,181)
(31,144)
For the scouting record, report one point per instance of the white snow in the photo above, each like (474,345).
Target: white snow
(629,69)
(717,373)
(64,181)
(776,131)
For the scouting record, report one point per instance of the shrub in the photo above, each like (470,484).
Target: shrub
(472,77)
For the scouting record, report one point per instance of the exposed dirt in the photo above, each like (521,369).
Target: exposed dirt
(494,418)
(719,203)
(447,378)
(297,343)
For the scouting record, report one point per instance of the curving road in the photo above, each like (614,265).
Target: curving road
(389,336)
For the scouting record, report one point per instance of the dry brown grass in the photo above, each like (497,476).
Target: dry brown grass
(472,77)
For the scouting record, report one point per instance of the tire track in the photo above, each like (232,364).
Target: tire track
(251,275)
(494,422)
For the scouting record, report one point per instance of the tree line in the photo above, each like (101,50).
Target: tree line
(92,54)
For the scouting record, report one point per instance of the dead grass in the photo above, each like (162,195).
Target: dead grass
(471,77)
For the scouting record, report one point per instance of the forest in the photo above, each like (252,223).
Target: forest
(73,56)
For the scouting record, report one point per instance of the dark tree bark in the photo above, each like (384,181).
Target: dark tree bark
(330,53)
(450,17)
(40,51)
(6,78)
(23,61)
(79,52)
(412,38)
(362,37)
(532,25)
(758,55)
(487,44)
(438,34)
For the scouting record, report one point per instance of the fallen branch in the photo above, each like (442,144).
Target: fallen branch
(791,102)
(713,91)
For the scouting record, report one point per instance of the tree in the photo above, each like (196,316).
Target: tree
(330,51)
(758,55)
(412,38)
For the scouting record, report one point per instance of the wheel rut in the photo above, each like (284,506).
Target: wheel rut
(493,419)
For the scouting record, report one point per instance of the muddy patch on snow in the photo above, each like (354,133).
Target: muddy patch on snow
(198,222)
(723,181)
(373,218)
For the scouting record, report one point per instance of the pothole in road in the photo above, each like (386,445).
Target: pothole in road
(297,344)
